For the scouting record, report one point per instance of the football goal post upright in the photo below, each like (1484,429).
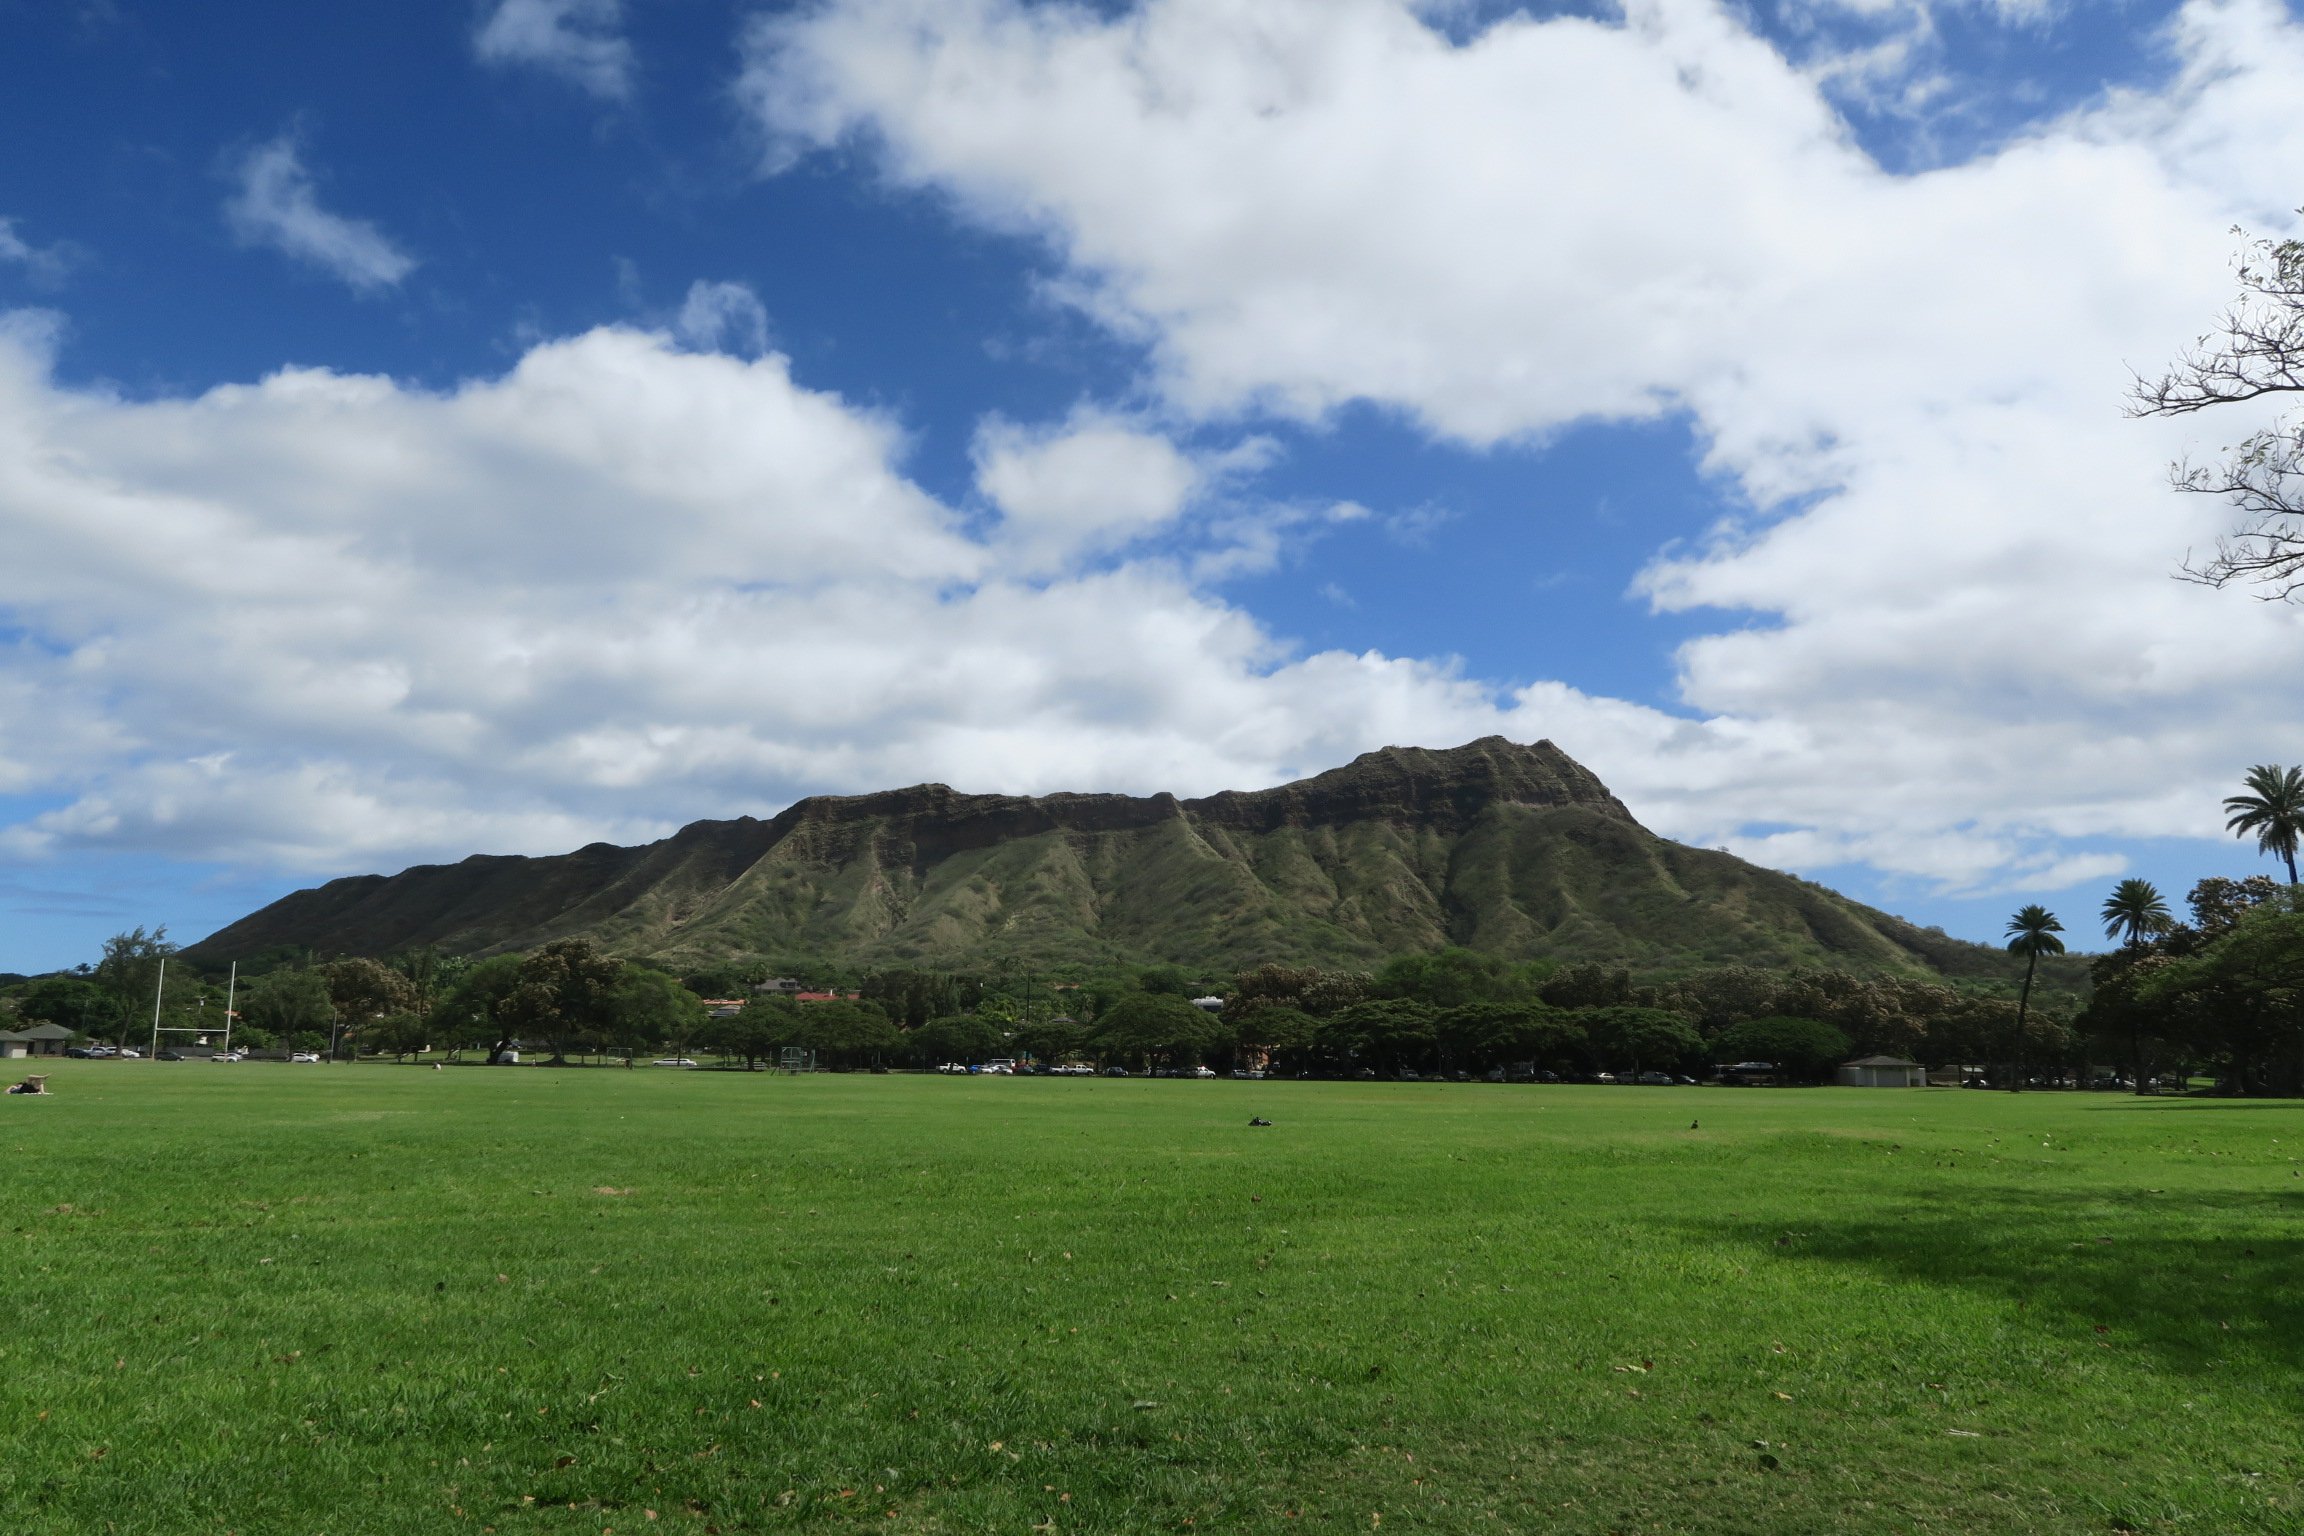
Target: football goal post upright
(159,985)
(198,1032)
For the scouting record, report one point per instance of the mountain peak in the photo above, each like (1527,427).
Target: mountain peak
(1447,787)
(1512,848)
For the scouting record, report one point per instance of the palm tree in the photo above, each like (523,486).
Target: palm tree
(2135,906)
(2273,810)
(2032,933)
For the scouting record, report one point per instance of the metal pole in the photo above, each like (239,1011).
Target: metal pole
(231,989)
(158,985)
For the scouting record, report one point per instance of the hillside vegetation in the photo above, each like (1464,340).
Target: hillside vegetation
(1514,850)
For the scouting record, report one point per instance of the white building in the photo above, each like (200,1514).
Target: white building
(1882,1072)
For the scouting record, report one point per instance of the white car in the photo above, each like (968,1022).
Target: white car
(130,1053)
(674,1061)
(303,1055)
(225,1056)
(1203,1072)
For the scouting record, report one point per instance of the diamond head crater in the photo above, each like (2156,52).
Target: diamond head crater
(1514,850)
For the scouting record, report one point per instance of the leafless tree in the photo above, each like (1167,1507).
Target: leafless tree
(2257,351)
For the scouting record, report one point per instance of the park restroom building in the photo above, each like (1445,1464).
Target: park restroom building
(1882,1072)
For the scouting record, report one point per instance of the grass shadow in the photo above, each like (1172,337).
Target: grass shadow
(2198,1279)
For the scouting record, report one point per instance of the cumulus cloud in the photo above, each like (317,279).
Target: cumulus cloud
(1087,487)
(723,317)
(277,205)
(581,41)
(1946,635)
(328,621)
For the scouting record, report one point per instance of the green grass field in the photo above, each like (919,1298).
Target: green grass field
(270,1299)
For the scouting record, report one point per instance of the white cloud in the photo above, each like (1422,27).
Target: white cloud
(1088,487)
(45,265)
(277,205)
(579,40)
(329,622)
(1948,638)
(723,317)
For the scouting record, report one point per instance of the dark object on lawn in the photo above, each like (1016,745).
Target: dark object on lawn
(1691,1125)
(1258,1120)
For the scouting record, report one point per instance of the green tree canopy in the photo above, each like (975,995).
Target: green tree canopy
(1383,1034)
(288,1003)
(1807,1049)
(76,1002)
(648,1008)
(129,973)
(467,1015)
(1156,1026)
(564,994)
(959,1038)
(1053,1040)
(363,990)
(1641,1039)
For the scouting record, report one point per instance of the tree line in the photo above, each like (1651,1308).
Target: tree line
(2221,991)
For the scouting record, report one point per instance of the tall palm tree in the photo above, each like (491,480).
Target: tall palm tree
(2031,933)
(2273,810)
(2136,908)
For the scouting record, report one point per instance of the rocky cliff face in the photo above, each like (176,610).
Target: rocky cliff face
(1517,849)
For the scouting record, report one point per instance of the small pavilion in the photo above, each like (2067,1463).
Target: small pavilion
(1882,1072)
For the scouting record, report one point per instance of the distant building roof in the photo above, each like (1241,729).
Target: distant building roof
(46,1032)
(1879,1061)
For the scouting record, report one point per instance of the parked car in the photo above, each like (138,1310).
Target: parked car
(303,1055)
(1606,1077)
(953,1069)
(1115,1071)
(1203,1072)
(79,1053)
(1657,1079)
(674,1061)
(1248,1074)
(228,1056)
(168,1055)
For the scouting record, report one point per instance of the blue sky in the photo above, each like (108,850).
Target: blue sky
(487,427)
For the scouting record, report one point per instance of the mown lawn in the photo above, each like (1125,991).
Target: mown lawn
(269,1299)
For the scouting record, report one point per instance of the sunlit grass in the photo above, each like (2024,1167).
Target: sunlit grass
(325,1299)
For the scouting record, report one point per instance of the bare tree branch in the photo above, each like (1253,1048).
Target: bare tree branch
(2257,351)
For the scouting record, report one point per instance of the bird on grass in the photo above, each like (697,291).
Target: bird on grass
(1258,1120)
(1691,1125)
